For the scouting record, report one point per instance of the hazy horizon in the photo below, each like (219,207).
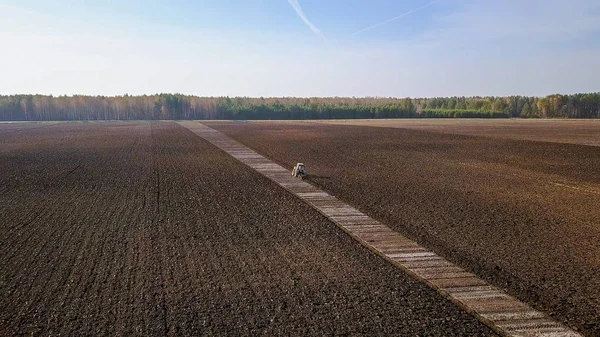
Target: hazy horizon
(300,48)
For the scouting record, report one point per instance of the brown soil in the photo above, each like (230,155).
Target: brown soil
(145,229)
(523,215)
(573,131)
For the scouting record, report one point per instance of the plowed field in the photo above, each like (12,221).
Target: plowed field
(145,229)
(524,215)
(572,131)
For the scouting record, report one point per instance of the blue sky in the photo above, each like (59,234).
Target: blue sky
(415,48)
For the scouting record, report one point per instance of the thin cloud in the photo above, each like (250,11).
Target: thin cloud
(298,9)
(396,18)
(22,10)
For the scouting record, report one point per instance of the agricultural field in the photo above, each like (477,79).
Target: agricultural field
(572,131)
(143,228)
(521,214)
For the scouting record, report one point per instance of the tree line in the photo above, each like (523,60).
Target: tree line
(178,106)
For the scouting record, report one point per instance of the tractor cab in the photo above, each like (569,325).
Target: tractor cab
(299,170)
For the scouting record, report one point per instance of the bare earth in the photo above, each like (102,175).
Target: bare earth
(522,214)
(143,228)
(584,132)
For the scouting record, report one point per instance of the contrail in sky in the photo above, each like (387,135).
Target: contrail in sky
(395,18)
(298,9)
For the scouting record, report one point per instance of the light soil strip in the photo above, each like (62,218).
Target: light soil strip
(587,190)
(494,307)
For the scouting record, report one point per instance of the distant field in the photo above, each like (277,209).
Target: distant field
(584,132)
(521,214)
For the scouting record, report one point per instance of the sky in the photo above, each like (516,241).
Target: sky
(306,48)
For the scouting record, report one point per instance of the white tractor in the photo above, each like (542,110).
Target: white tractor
(299,171)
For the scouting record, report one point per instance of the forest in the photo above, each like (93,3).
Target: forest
(181,107)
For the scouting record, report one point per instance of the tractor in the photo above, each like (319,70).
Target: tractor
(299,171)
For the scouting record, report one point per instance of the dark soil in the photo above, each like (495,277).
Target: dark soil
(145,229)
(524,215)
(573,131)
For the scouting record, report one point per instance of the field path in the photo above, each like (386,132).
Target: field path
(489,304)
